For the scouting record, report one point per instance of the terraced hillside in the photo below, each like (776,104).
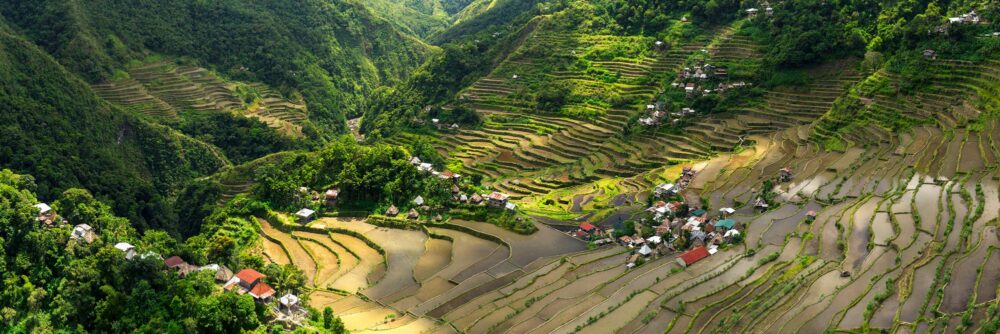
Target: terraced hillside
(162,89)
(889,223)
(379,279)
(905,238)
(558,163)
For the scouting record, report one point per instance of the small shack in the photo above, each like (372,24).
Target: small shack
(83,232)
(497,200)
(305,215)
(392,211)
(127,248)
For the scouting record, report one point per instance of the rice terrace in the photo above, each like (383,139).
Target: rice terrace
(500,166)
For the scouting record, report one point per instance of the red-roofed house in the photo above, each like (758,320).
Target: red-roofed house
(249,281)
(174,262)
(497,200)
(261,291)
(694,255)
(588,227)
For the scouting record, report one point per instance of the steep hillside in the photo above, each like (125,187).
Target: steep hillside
(332,53)
(55,128)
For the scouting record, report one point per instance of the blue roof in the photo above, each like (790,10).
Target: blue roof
(698,212)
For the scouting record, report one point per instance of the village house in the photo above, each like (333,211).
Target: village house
(694,255)
(726,212)
(475,199)
(663,228)
(83,232)
(497,200)
(632,259)
(413,214)
(419,200)
(249,281)
(448,175)
(811,216)
(305,215)
(425,167)
(588,228)
(510,206)
(760,204)
(127,248)
(768,11)
(463,198)
(968,18)
(222,273)
(289,304)
(725,224)
(46,215)
(177,263)
(665,189)
(330,196)
(659,45)
(930,54)
(785,174)
(751,12)
(415,161)
(392,211)
(645,251)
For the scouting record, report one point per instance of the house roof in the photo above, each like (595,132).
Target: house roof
(698,212)
(645,250)
(497,196)
(694,255)
(289,300)
(392,210)
(174,261)
(42,208)
(124,246)
(249,275)
(419,200)
(587,227)
(725,223)
(332,193)
(305,213)
(261,290)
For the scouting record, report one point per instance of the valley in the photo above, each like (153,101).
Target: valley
(500,166)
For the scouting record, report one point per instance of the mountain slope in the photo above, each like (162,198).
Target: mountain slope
(54,127)
(332,52)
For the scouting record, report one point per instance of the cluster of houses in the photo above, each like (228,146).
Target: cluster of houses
(704,234)
(440,126)
(968,18)
(47,216)
(494,200)
(753,11)
(247,281)
(658,113)
(429,168)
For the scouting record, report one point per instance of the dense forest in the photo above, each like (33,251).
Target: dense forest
(333,53)
(56,129)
